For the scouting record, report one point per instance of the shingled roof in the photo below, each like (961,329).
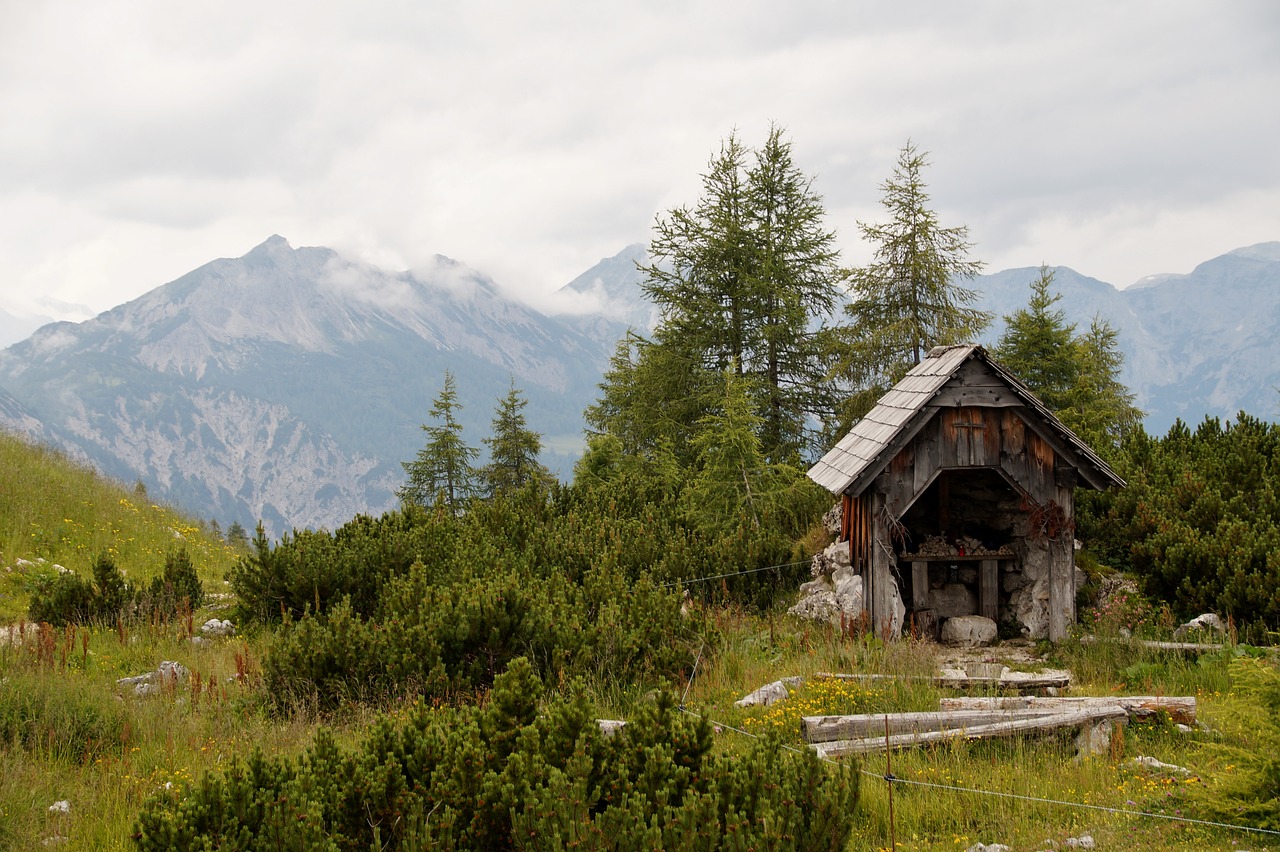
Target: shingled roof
(858,458)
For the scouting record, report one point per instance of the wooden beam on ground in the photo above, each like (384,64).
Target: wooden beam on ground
(1184,647)
(1180,708)
(959,679)
(1040,723)
(823,729)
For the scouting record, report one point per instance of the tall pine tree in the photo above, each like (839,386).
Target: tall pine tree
(910,298)
(745,279)
(443,468)
(1038,345)
(513,448)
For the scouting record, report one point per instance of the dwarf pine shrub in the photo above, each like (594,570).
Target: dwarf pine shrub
(515,773)
(68,598)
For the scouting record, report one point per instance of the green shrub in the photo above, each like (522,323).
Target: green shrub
(505,776)
(441,639)
(67,598)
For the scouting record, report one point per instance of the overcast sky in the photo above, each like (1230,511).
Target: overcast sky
(530,139)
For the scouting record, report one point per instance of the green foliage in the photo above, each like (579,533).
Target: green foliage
(1100,407)
(734,484)
(61,512)
(908,299)
(505,776)
(1076,375)
(652,398)
(66,598)
(1247,754)
(441,637)
(743,279)
(1038,345)
(178,587)
(443,469)
(1199,522)
(513,449)
(237,537)
(59,718)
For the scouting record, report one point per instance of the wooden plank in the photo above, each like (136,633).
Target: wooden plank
(1180,708)
(1030,725)
(989,588)
(919,585)
(1062,588)
(825,729)
(987,397)
(880,608)
(955,679)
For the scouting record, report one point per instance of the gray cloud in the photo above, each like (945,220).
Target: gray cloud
(529,140)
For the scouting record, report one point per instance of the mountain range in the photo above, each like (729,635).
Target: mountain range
(288,385)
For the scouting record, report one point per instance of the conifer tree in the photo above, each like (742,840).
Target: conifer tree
(744,280)
(910,297)
(1039,346)
(734,480)
(1099,407)
(443,468)
(513,448)
(237,537)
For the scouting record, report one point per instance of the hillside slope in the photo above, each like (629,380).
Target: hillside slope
(62,512)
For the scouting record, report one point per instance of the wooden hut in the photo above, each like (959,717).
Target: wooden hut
(957,497)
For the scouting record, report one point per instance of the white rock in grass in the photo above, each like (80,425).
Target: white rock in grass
(770,693)
(1207,622)
(1160,765)
(218,627)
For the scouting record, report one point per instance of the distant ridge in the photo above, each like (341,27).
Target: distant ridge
(289,384)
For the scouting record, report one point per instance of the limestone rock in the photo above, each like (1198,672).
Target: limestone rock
(770,693)
(952,600)
(1208,622)
(968,631)
(150,683)
(827,597)
(1031,607)
(218,628)
(836,555)
(609,727)
(1095,738)
(833,520)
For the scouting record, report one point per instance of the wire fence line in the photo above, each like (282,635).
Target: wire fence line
(894,779)
(891,779)
(675,583)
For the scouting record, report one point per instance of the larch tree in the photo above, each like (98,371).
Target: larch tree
(443,469)
(1100,407)
(744,280)
(1038,345)
(1076,375)
(513,448)
(911,296)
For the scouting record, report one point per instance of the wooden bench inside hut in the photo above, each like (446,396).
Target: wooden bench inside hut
(957,497)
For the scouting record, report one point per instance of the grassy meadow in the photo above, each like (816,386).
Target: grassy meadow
(69,734)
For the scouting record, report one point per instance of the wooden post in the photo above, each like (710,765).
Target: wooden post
(989,588)
(878,598)
(919,585)
(1062,571)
